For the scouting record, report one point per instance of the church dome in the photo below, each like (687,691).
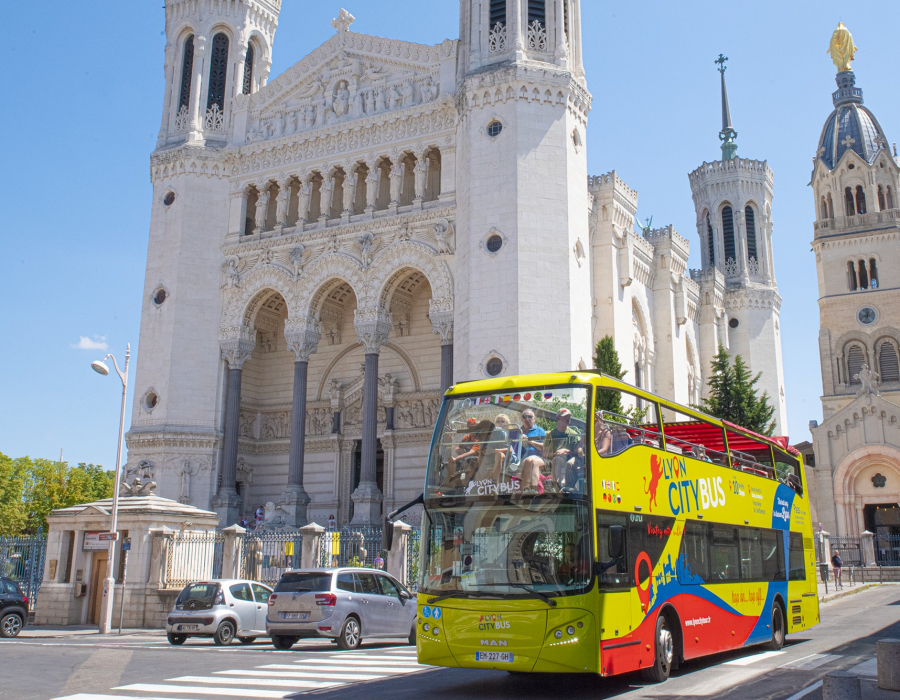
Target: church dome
(851,126)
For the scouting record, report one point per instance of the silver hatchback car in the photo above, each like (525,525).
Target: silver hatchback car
(342,604)
(220,608)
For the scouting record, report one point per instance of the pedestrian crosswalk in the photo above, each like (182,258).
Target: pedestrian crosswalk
(276,680)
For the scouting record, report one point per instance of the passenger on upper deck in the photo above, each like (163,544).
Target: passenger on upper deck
(559,450)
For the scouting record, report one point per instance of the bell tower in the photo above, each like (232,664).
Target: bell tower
(214,52)
(523,277)
(733,202)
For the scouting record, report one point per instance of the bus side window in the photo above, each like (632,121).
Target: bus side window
(695,554)
(623,419)
(616,576)
(723,555)
(772,544)
(788,471)
(796,566)
(751,554)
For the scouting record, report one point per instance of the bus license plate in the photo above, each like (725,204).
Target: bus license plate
(188,628)
(295,616)
(494,656)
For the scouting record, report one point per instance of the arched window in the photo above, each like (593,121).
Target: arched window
(218,71)
(497,13)
(848,201)
(889,198)
(824,209)
(751,232)
(873,274)
(728,232)
(860,200)
(855,361)
(830,207)
(881,202)
(710,241)
(863,275)
(187,71)
(248,71)
(888,367)
(851,276)
(250,216)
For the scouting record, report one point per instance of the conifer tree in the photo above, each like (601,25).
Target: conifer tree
(606,359)
(733,395)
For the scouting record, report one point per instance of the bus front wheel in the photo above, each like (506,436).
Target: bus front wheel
(778,626)
(663,654)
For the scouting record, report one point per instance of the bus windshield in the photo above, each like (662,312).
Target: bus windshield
(540,547)
(499,445)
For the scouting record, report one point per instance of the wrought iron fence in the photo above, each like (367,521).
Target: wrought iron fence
(887,550)
(193,556)
(22,560)
(352,546)
(412,559)
(850,549)
(266,556)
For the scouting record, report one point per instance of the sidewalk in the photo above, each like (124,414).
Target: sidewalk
(58,631)
(846,590)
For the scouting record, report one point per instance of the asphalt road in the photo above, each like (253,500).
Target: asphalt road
(145,666)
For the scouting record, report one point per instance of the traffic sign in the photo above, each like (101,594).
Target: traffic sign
(108,536)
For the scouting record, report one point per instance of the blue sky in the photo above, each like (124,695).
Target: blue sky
(83,94)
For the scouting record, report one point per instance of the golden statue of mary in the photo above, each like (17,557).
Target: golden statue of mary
(842,48)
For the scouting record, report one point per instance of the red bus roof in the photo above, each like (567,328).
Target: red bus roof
(710,436)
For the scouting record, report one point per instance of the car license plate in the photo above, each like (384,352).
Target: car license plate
(188,628)
(295,616)
(493,656)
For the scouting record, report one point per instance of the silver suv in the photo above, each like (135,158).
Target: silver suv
(342,604)
(220,608)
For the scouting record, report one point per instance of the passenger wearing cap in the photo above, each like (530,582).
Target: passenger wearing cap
(559,451)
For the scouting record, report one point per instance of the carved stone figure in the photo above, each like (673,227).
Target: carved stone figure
(358,109)
(230,268)
(349,190)
(421,173)
(281,201)
(137,488)
(370,102)
(341,99)
(291,127)
(297,258)
(395,97)
(262,209)
(187,471)
(842,48)
(326,192)
(334,389)
(381,100)
(365,248)
(869,380)
(320,112)
(397,171)
(303,200)
(309,117)
(279,126)
(372,187)
(408,92)
(428,90)
(443,232)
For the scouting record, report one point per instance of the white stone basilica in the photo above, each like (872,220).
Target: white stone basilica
(331,250)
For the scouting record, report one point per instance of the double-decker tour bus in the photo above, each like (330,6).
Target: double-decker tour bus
(575,523)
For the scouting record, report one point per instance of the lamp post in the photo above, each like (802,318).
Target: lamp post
(106,607)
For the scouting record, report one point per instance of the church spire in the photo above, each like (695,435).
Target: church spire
(728,134)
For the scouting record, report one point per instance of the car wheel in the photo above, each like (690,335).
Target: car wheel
(663,654)
(10,625)
(224,634)
(177,639)
(246,640)
(282,643)
(350,636)
(777,640)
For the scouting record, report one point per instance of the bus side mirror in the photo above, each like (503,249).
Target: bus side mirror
(616,544)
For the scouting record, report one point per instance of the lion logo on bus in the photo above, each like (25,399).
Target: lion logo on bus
(656,473)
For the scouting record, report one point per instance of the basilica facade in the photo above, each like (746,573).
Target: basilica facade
(330,250)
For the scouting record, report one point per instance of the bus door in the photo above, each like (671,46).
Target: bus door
(615,583)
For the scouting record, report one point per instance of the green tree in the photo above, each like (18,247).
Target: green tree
(606,359)
(31,488)
(733,395)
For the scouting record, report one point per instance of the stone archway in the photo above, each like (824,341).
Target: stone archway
(855,486)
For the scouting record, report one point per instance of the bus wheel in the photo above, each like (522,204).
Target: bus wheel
(664,653)
(777,640)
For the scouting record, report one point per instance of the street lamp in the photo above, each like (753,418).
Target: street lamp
(106,607)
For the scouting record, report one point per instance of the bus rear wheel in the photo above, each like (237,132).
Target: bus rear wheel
(663,654)
(778,626)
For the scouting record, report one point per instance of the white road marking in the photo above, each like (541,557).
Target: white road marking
(303,674)
(808,663)
(806,691)
(329,669)
(265,682)
(359,662)
(866,668)
(747,660)
(186,689)
(95,696)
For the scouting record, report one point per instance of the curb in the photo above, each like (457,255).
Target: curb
(837,596)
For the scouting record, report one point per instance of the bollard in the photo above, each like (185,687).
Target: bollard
(840,685)
(888,654)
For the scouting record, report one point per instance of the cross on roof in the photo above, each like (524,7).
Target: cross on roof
(721,62)
(848,141)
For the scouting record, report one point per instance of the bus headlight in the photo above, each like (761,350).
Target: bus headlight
(558,634)
(437,630)
(426,627)
(570,629)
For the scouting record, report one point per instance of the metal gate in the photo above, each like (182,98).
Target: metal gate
(22,560)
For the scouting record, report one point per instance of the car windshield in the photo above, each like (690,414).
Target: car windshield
(542,545)
(524,442)
(303,583)
(202,592)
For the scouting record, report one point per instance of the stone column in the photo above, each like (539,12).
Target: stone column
(516,31)
(198,114)
(311,546)
(397,557)
(227,503)
(172,84)
(372,329)
(232,551)
(442,322)
(887,653)
(561,54)
(867,548)
(303,341)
